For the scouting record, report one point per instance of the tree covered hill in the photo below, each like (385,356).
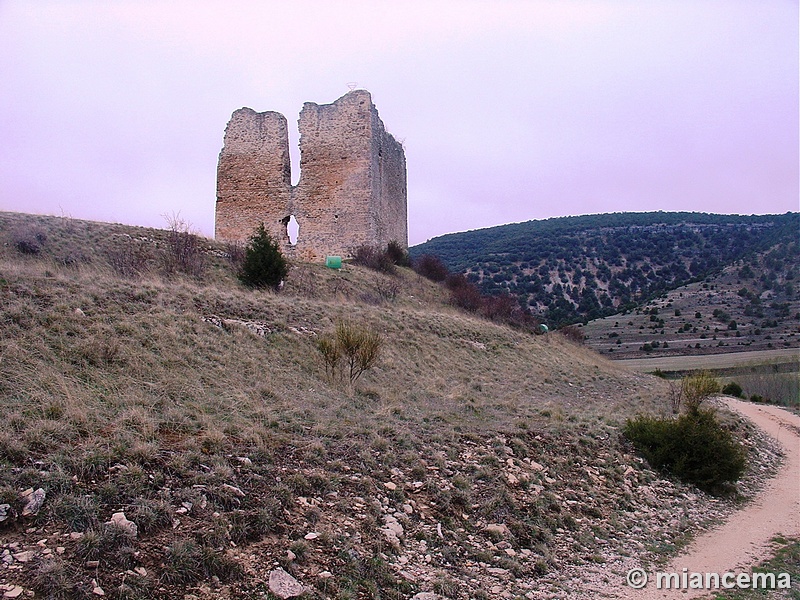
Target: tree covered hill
(572,269)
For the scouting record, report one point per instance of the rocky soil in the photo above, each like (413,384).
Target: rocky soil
(547,518)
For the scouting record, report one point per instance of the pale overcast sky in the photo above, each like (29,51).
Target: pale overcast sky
(508,110)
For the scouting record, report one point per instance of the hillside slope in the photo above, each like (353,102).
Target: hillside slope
(753,304)
(473,461)
(574,269)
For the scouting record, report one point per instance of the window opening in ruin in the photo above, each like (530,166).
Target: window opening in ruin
(292,229)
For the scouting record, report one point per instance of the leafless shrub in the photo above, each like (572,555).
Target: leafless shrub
(464,293)
(780,388)
(431,267)
(235,253)
(387,289)
(675,397)
(28,240)
(573,334)
(183,252)
(499,308)
(129,258)
(373,258)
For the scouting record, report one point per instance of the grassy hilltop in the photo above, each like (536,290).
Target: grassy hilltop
(137,375)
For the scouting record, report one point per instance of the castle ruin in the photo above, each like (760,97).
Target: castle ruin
(352,187)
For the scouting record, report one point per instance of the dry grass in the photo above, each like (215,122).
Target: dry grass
(121,392)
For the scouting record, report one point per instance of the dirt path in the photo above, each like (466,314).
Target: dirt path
(745,539)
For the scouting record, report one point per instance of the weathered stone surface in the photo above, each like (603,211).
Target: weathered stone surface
(15,592)
(253,175)
(284,585)
(392,530)
(25,556)
(352,187)
(34,499)
(118,519)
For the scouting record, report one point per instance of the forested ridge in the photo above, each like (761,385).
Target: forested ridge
(572,269)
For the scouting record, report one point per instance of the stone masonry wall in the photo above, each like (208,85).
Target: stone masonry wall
(253,175)
(352,187)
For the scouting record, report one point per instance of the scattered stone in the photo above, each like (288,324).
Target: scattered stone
(4,510)
(140,571)
(92,564)
(234,490)
(14,592)
(284,585)
(391,486)
(33,501)
(426,596)
(24,557)
(259,329)
(392,530)
(311,536)
(118,519)
(96,589)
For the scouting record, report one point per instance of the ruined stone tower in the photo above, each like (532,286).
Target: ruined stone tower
(352,187)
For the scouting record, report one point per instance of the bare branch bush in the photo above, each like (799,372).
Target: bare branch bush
(184,252)
(675,397)
(129,258)
(387,289)
(331,354)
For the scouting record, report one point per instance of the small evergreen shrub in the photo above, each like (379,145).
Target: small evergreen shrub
(695,448)
(264,265)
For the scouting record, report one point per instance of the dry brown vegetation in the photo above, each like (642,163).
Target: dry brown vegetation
(203,411)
